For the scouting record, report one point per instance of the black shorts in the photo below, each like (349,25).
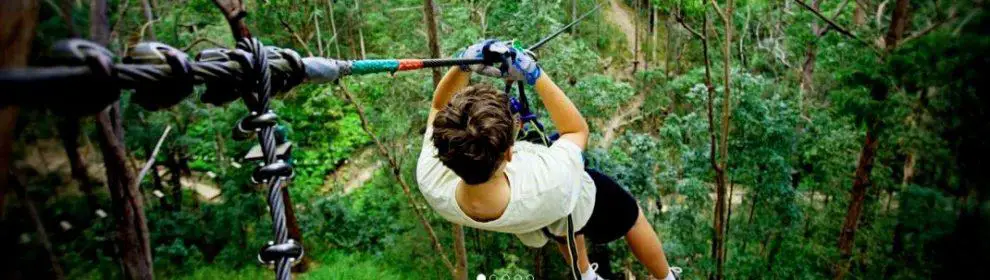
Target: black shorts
(615,211)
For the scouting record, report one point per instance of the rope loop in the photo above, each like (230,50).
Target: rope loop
(228,88)
(289,69)
(259,85)
(172,87)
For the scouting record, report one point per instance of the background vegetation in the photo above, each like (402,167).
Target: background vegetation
(801,150)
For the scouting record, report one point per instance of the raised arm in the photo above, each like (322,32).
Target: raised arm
(563,113)
(455,80)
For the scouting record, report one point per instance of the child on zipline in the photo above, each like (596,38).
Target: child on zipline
(473,172)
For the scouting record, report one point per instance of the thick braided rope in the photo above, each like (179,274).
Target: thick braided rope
(262,90)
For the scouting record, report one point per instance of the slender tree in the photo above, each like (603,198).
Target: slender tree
(69,132)
(333,26)
(357,9)
(18,19)
(718,240)
(867,155)
(128,205)
(39,225)
(396,171)
(429,16)
(460,251)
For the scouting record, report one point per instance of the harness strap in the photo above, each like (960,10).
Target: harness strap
(570,243)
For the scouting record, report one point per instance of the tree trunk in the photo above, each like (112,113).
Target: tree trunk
(860,185)
(357,7)
(39,225)
(898,24)
(728,221)
(128,206)
(333,26)
(149,17)
(460,253)
(574,15)
(431,32)
(635,41)
(175,171)
(18,19)
(859,15)
(718,242)
(899,230)
(68,131)
(319,35)
(537,263)
(752,209)
(233,12)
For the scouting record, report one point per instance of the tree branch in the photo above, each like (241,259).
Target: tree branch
(201,40)
(233,12)
(931,27)
(718,9)
(880,11)
(154,153)
(834,17)
(144,28)
(123,8)
(295,35)
(680,19)
(831,23)
(397,173)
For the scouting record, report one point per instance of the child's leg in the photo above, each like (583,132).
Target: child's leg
(646,247)
(582,253)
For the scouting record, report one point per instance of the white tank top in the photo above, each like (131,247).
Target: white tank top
(546,184)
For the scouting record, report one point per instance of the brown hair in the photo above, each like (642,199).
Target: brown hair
(473,132)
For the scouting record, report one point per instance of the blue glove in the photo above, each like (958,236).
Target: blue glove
(474,51)
(523,67)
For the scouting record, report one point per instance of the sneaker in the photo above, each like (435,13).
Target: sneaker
(676,271)
(593,274)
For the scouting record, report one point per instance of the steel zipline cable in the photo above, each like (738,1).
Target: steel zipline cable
(79,77)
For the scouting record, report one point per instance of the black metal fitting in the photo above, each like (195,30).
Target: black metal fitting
(272,252)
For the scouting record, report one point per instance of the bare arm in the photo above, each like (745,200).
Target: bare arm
(563,113)
(452,82)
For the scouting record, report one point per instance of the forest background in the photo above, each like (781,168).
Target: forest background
(763,139)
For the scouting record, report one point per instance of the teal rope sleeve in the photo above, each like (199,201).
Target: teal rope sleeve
(360,67)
